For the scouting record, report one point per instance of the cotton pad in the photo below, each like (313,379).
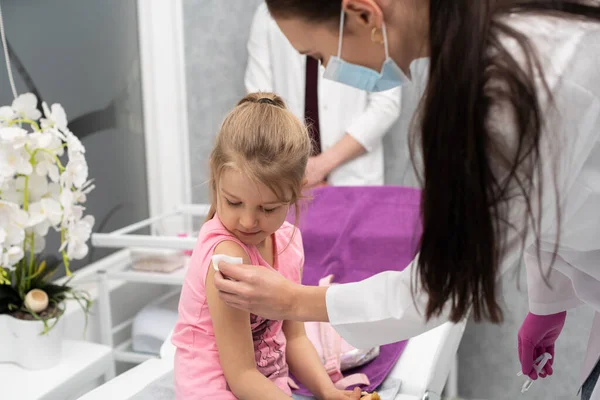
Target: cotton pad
(217,258)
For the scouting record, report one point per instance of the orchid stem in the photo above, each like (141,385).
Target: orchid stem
(25,121)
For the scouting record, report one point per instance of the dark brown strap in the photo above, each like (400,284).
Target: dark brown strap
(311,103)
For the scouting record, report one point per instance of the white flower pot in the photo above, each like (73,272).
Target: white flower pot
(22,344)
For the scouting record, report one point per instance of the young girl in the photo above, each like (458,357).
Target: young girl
(256,172)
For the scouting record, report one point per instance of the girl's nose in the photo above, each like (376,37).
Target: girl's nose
(248,221)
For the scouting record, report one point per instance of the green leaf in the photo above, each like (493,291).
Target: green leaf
(52,264)
(52,289)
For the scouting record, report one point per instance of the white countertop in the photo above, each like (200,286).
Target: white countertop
(81,362)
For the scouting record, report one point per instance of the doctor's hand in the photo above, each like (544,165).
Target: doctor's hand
(316,171)
(536,337)
(256,289)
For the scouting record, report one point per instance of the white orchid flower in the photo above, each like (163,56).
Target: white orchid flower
(76,173)
(10,193)
(87,188)
(15,234)
(38,187)
(19,183)
(13,136)
(13,220)
(80,195)
(55,117)
(74,145)
(39,243)
(71,210)
(36,191)
(53,210)
(6,115)
(12,162)
(58,137)
(25,106)
(67,201)
(75,214)
(41,229)
(46,166)
(77,250)
(44,214)
(79,233)
(56,146)
(40,140)
(54,191)
(12,256)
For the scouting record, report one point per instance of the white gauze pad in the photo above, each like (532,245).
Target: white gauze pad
(217,258)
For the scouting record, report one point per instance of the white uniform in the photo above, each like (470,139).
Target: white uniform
(570,148)
(275,66)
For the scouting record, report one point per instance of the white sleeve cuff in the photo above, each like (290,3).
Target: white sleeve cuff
(553,308)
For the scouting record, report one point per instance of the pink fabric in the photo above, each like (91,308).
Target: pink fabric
(536,337)
(330,346)
(198,372)
(352,380)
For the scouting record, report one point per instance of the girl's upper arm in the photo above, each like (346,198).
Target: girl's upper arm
(232,326)
(294,329)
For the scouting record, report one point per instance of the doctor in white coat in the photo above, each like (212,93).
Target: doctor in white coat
(352,122)
(509,137)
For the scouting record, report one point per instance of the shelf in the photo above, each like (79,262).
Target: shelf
(138,245)
(124,237)
(174,278)
(124,353)
(128,323)
(124,271)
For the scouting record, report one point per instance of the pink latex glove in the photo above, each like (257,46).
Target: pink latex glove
(537,336)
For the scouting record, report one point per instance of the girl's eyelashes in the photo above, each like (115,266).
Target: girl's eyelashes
(239,203)
(233,204)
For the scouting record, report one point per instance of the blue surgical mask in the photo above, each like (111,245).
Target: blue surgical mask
(363,78)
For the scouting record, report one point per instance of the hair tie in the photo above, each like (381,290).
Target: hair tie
(266,100)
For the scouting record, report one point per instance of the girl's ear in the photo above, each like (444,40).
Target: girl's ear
(304,182)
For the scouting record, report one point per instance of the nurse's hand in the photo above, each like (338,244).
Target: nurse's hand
(536,337)
(256,289)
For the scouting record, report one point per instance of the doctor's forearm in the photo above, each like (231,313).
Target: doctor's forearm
(346,149)
(309,304)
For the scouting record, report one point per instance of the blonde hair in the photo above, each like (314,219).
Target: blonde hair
(267,143)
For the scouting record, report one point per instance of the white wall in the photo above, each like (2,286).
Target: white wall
(215,57)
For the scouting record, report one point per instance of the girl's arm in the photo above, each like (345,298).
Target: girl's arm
(305,363)
(234,340)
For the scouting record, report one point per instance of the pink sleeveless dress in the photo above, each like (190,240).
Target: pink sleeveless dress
(198,372)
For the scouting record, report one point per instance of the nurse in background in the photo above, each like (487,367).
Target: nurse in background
(347,125)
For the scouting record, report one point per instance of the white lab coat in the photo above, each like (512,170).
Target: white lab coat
(275,66)
(381,309)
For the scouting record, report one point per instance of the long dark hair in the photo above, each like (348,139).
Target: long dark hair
(465,200)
